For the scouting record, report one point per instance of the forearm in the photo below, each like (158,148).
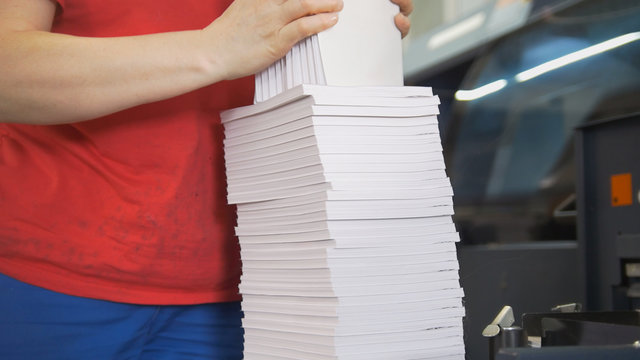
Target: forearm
(50,78)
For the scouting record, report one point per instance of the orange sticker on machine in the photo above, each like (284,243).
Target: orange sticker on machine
(621,190)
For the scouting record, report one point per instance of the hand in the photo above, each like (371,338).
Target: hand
(252,34)
(402,19)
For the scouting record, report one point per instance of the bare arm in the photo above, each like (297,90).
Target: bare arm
(48,78)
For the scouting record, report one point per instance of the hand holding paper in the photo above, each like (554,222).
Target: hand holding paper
(253,34)
(363,49)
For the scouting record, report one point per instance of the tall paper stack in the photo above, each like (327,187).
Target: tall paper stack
(344,221)
(344,206)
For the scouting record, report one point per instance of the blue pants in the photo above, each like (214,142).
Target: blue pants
(40,324)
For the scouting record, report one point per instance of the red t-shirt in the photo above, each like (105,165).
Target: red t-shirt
(130,207)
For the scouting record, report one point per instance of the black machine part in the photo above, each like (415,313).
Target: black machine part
(568,335)
(533,323)
(624,352)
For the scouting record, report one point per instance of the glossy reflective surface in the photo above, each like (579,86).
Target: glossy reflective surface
(509,140)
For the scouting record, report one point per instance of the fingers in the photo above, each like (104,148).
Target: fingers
(307,17)
(306,26)
(403,24)
(297,9)
(402,19)
(406,6)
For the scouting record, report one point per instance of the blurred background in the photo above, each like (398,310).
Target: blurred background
(517,81)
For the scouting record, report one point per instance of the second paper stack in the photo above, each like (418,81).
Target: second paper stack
(363,49)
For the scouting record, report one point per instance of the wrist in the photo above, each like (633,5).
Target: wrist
(209,59)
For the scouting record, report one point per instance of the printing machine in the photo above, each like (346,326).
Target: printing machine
(511,157)
(565,335)
(608,208)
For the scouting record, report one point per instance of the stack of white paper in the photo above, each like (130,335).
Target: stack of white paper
(363,49)
(344,221)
